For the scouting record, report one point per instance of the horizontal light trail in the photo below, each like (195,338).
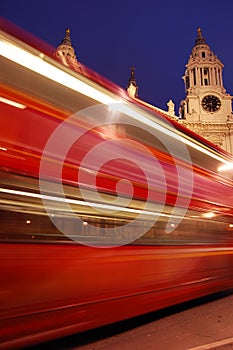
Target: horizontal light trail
(37,64)
(12,103)
(81,203)
(213,345)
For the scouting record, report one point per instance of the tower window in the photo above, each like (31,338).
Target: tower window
(203,54)
(206,81)
(205,71)
(194,76)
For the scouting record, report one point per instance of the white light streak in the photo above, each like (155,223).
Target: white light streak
(12,103)
(38,65)
(209,215)
(81,203)
(131,113)
(226,167)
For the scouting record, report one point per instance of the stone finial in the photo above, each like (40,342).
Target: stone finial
(67,39)
(199,40)
(132,87)
(171,107)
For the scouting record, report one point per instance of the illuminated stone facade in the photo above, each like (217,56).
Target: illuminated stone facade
(207,107)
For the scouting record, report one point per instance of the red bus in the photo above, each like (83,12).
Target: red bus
(108,209)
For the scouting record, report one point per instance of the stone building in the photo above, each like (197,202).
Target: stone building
(207,107)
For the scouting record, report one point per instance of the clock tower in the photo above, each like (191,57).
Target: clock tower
(207,108)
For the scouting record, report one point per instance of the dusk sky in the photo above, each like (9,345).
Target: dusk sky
(156,37)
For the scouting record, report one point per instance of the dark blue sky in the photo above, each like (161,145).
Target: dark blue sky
(155,36)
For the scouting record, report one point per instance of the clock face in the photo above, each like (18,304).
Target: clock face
(211,103)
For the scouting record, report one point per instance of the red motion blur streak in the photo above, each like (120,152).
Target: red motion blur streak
(53,289)
(25,146)
(33,41)
(66,289)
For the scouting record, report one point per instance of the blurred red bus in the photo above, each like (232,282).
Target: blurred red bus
(108,209)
